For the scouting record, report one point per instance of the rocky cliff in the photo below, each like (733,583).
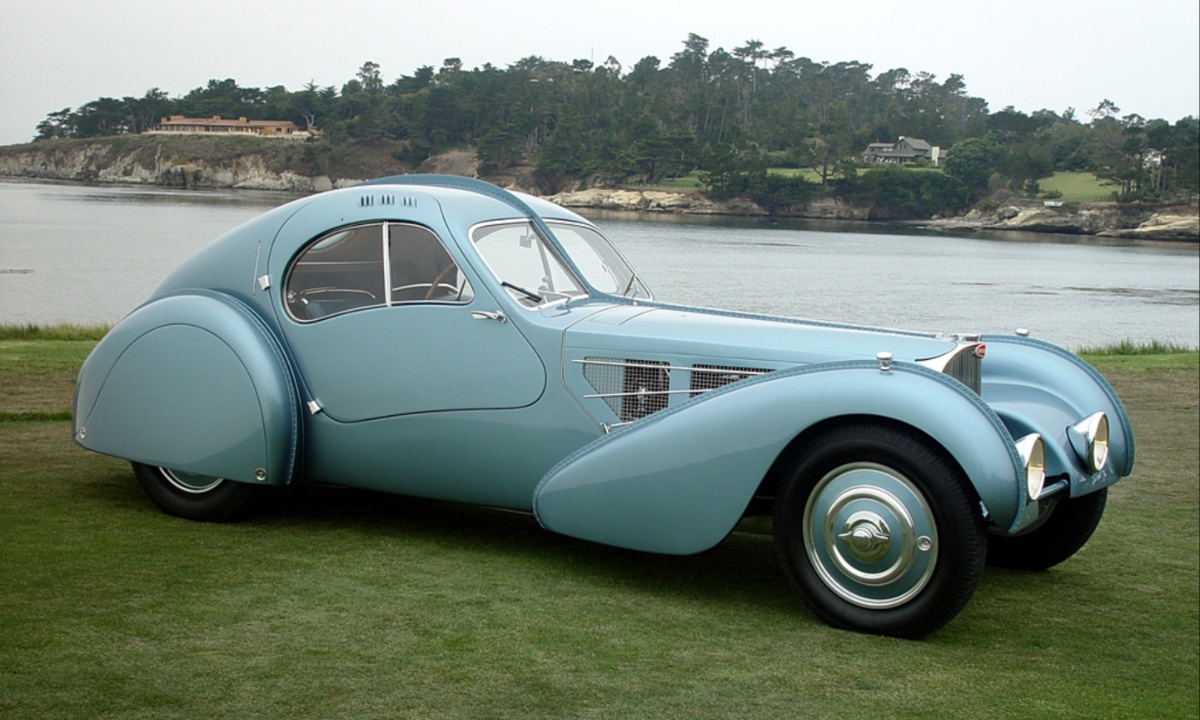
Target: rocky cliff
(199,162)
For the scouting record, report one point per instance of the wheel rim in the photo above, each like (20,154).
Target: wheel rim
(190,482)
(870,535)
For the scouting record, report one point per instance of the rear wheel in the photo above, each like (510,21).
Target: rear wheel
(196,497)
(1067,526)
(879,532)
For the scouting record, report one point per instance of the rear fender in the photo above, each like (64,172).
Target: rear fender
(678,481)
(193,382)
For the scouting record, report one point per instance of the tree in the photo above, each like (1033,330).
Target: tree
(972,162)
(58,124)
(369,78)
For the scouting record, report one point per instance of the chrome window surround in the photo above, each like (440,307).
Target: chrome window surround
(385,257)
(581,282)
(546,301)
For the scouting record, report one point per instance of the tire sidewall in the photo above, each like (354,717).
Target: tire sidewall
(961,542)
(222,502)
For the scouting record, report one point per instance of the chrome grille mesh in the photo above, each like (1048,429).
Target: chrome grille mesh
(632,388)
(646,390)
(607,376)
(711,377)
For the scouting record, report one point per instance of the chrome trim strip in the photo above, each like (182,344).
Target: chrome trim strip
(1049,490)
(387,265)
(715,371)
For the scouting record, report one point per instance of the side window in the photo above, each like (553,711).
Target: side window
(340,272)
(371,266)
(420,268)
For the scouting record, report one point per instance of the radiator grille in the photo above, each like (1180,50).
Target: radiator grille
(967,368)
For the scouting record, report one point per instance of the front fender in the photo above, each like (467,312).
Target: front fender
(1038,387)
(678,481)
(194,382)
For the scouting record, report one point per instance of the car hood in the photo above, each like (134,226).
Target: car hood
(767,341)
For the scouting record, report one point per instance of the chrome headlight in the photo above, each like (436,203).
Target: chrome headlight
(1094,431)
(1033,452)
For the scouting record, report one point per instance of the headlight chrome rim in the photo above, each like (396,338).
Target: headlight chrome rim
(1033,452)
(1094,430)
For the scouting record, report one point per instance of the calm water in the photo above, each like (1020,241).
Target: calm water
(91,254)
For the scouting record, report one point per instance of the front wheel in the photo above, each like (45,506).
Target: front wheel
(879,532)
(1065,527)
(196,497)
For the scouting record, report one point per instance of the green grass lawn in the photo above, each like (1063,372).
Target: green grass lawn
(1076,187)
(336,603)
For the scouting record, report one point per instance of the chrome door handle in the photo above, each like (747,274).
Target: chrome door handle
(486,315)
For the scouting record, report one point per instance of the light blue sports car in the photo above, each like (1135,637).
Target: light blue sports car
(443,338)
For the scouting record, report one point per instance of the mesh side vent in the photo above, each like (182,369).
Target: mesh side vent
(607,376)
(711,377)
(633,389)
(646,385)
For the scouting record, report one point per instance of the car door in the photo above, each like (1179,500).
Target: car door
(378,315)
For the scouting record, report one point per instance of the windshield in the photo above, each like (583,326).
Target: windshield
(602,266)
(533,274)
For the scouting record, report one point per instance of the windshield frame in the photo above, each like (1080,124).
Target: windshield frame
(562,262)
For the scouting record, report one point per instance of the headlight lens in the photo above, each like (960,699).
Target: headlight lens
(1094,430)
(1033,452)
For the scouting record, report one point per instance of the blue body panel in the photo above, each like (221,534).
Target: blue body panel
(679,480)
(195,383)
(1038,387)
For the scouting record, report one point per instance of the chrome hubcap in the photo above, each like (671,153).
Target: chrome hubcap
(865,536)
(190,482)
(870,535)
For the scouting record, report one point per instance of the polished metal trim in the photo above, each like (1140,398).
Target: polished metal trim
(639,393)
(174,481)
(1033,453)
(684,368)
(1094,430)
(963,363)
(489,315)
(860,553)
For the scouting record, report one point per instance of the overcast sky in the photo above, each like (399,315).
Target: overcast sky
(1054,54)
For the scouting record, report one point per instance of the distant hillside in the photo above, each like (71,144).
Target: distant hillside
(196,161)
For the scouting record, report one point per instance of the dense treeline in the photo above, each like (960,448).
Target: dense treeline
(727,114)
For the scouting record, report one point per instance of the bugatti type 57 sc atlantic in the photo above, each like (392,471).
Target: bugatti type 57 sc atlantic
(443,338)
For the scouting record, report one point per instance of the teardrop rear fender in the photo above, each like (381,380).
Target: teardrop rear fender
(678,481)
(195,382)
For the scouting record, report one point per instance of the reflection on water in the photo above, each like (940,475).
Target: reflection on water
(91,254)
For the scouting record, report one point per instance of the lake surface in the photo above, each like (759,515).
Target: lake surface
(90,254)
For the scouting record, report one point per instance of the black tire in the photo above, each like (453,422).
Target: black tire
(196,497)
(1067,527)
(837,517)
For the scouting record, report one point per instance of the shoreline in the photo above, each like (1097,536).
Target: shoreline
(85,164)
